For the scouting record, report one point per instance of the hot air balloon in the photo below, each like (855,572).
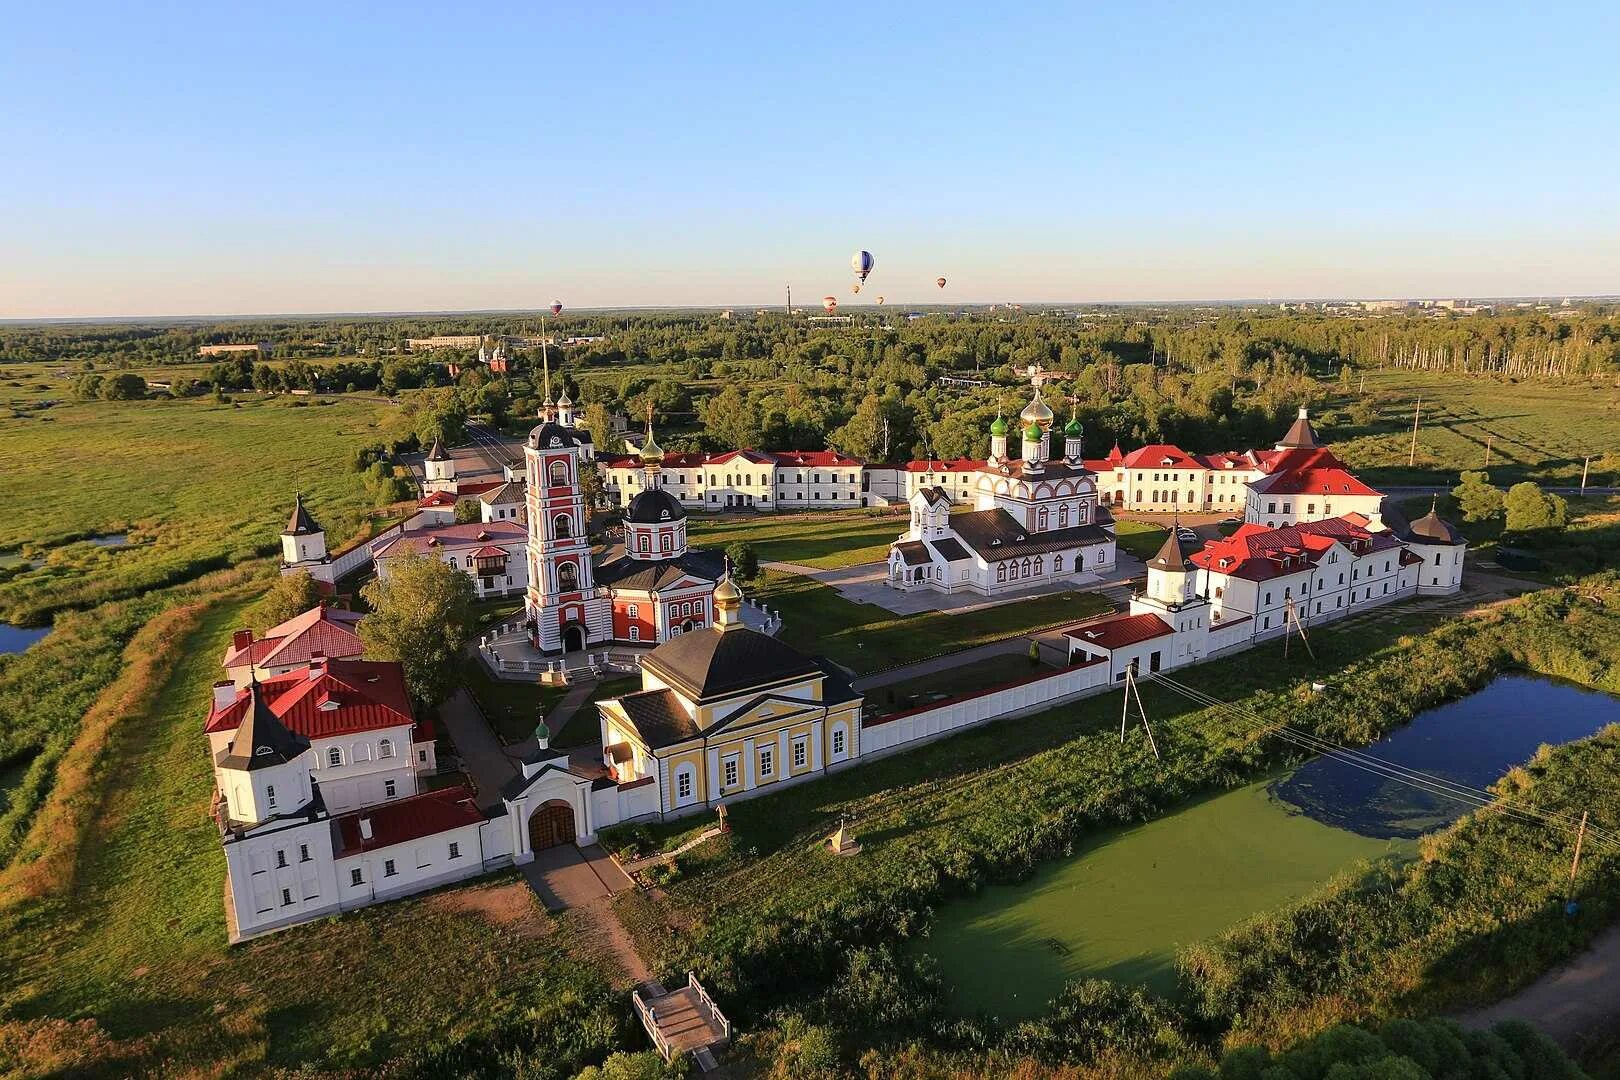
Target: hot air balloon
(880,299)
(940,282)
(556,307)
(862,262)
(830,303)
(855,288)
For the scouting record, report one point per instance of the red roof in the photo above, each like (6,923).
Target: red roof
(1100,465)
(961,464)
(490,551)
(1257,553)
(1308,472)
(318,631)
(409,819)
(338,698)
(819,459)
(1161,456)
(438,498)
(1116,631)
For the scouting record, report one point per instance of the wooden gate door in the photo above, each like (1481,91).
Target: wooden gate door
(551,825)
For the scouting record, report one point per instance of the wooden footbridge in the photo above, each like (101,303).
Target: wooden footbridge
(683,1021)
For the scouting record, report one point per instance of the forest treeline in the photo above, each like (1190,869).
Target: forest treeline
(873,387)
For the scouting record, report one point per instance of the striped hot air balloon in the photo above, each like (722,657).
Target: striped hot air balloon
(830,303)
(862,262)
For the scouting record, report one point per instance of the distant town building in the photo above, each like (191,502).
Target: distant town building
(260,348)
(444,341)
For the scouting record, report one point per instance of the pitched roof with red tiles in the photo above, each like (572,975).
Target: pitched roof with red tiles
(934,465)
(1100,465)
(819,459)
(405,820)
(1116,631)
(1257,553)
(338,698)
(1308,472)
(1227,461)
(1161,456)
(319,631)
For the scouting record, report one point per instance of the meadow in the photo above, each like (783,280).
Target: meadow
(824,541)
(1537,431)
(197,485)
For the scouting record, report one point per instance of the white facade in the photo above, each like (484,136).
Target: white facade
(749,479)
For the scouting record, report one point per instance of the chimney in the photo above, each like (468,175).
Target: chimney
(317,666)
(224,692)
(365,828)
(241,639)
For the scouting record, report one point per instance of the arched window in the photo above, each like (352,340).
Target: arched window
(1057,564)
(839,741)
(1001,571)
(1038,570)
(567,576)
(1063,516)
(385,749)
(562,526)
(1026,568)
(334,757)
(559,473)
(644,542)
(667,542)
(685,784)
(453,562)
(1041,520)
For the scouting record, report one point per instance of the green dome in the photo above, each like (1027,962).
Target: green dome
(999,427)
(1073,428)
(1033,432)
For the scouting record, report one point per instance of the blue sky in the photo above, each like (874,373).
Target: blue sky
(216,159)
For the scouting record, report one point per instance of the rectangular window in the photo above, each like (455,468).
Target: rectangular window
(388,868)
(303,853)
(421,755)
(767,761)
(357,877)
(801,752)
(730,767)
(270,795)
(281,857)
(683,786)
(389,790)
(838,742)
(286,897)
(455,850)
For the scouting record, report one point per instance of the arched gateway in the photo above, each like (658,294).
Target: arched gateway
(551,825)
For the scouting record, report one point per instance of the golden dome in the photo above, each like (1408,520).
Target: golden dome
(651,452)
(726,593)
(1037,411)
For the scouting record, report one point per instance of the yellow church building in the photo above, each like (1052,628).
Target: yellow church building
(725,711)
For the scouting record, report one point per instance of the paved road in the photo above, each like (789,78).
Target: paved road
(1576,1005)
(482,755)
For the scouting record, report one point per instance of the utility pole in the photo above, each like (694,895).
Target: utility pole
(1488,439)
(1586,463)
(1124,716)
(790,299)
(1575,865)
(1411,458)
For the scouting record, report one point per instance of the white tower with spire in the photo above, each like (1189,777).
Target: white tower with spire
(1172,594)
(438,468)
(303,541)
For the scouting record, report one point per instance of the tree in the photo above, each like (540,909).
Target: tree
(1529,509)
(590,487)
(599,422)
(292,594)
(866,436)
(468,511)
(1477,498)
(422,616)
(643,1065)
(744,561)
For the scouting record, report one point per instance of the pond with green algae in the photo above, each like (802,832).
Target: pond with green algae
(1124,906)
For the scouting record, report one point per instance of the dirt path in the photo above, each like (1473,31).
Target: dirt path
(602,934)
(1576,1005)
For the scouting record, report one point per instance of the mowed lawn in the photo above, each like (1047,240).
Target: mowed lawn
(867,638)
(825,541)
(1140,538)
(138,946)
(196,484)
(1535,430)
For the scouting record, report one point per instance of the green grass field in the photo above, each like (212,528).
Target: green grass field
(138,946)
(197,485)
(1141,538)
(824,541)
(961,679)
(1536,431)
(867,638)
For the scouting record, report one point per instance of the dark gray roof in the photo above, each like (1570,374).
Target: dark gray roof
(436,451)
(300,523)
(261,740)
(1301,436)
(658,716)
(935,494)
(653,505)
(835,689)
(1170,556)
(509,492)
(650,575)
(1431,528)
(914,552)
(552,434)
(950,549)
(712,662)
(996,534)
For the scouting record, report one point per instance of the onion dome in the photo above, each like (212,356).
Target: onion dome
(1074,429)
(999,426)
(653,505)
(651,452)
(565,401)
(726,593)
(1037,411)
(1033,432)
